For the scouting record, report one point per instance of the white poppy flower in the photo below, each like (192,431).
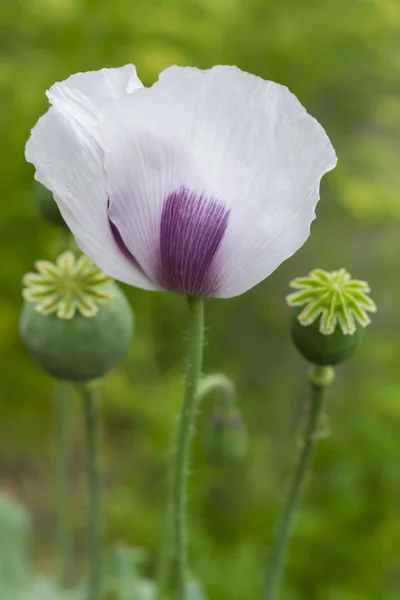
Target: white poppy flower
(201,184)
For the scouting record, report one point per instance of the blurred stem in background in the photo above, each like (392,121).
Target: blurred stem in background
(63,397)
(91,419)
(67,240)
(176,517)
(221,383)
(320,377)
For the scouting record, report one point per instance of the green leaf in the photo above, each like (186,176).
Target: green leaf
(47,589)
(122,578)
(196,590)
(14,559)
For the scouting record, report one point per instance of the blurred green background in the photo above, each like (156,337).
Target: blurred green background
(342,60)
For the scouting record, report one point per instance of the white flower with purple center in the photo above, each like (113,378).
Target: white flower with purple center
(201,184)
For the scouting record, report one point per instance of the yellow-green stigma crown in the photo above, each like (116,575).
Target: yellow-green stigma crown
(335,298)
(69,286)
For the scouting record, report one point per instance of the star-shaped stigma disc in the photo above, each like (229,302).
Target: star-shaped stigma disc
(69,286)
(333,297)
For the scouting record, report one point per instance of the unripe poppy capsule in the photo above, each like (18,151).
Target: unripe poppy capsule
(226,440)
(75,322)
(330,314)
(319,348)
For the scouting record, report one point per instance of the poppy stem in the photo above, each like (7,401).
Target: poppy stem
(281,542)
(63,526)
(207,385)
(177,502)
(218,382)
(91,419)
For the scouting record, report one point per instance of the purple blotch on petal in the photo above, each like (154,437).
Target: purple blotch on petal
(191,231)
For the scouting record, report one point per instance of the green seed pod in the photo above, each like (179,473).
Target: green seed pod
(319,348)
(75,322)
(47,206)
(331,312)
(226,439)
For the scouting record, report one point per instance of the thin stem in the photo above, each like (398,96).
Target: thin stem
(91,418)
(282,537)
(67,239)
(63,526)
(179,466)
(220,382)
(208,384)
(180,470)
(164,558)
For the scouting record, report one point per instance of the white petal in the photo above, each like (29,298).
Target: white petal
(142,168)
(69,162)
(223,134)
(267,156)
(82,95)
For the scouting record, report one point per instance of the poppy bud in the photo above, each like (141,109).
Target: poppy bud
(331,312)
(75,322)
(47,206)
(226,440)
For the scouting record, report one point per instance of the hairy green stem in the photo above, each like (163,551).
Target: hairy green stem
(164,556)
(206,385)
(221,383)
(280,545)
(62,396)
(180,466)
(176,514)
(91,418)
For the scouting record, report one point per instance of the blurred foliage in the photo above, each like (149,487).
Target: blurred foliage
(121,580)
(342,59)
(18,581)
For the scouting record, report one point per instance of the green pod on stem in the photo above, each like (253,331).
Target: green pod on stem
(226,439)
(330,314)
(75,321)
(319,348)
